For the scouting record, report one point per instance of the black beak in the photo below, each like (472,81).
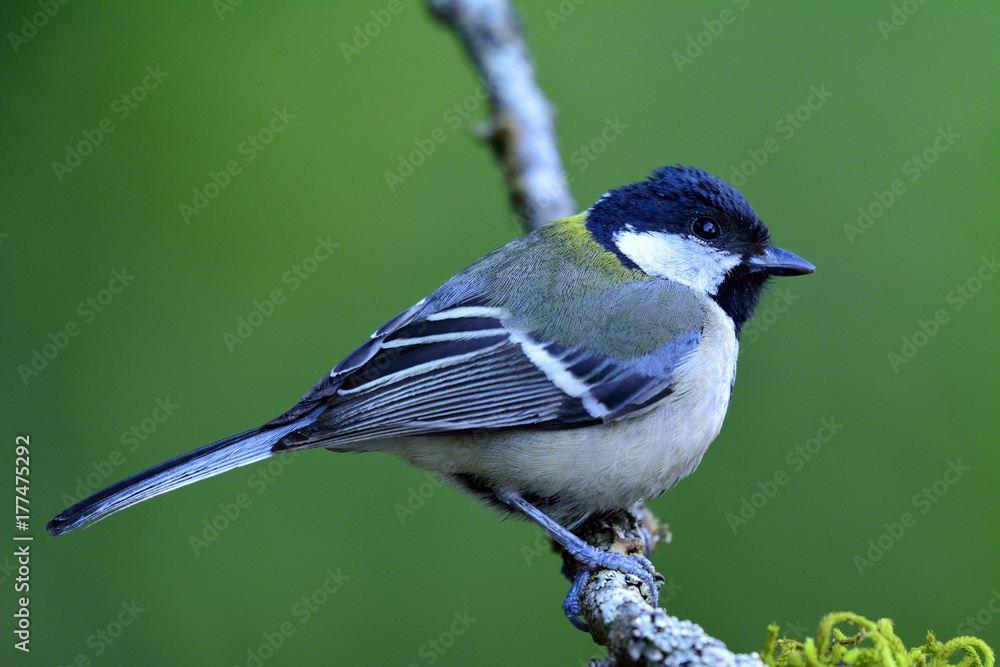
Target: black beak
(778,262)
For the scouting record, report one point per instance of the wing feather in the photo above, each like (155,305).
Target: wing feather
(464,367)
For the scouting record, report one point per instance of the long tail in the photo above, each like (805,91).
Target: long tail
(232,452)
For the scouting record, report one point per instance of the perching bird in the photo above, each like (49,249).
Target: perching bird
(571,373)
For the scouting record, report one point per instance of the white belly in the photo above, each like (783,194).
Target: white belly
(609,466)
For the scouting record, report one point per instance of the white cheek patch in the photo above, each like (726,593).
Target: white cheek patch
(678,258)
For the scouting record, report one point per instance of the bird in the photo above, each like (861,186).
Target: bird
(569,374)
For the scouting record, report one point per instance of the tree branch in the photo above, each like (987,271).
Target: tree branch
(523,130)
(524,140)
(618,614)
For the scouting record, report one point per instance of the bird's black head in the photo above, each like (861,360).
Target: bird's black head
(685,225)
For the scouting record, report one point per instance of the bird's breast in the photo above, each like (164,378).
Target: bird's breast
(643,456)
(582,471)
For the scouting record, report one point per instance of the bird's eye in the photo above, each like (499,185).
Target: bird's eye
(705,228)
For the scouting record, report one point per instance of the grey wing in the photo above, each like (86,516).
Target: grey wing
(463,368)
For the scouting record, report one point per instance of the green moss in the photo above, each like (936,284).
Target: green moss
(832,647)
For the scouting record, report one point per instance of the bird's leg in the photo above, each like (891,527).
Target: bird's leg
(589,556)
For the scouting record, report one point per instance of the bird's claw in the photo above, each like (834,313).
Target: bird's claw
(571,605)
(638,567)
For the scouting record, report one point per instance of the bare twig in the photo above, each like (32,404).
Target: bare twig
(619,616)
(523,132)
(523,137)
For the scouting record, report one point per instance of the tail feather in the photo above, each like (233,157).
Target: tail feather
(232,452)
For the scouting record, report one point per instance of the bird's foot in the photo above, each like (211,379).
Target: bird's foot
(638,567)
(589,557)
(571,605)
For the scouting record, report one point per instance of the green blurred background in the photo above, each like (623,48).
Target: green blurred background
(450,583)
